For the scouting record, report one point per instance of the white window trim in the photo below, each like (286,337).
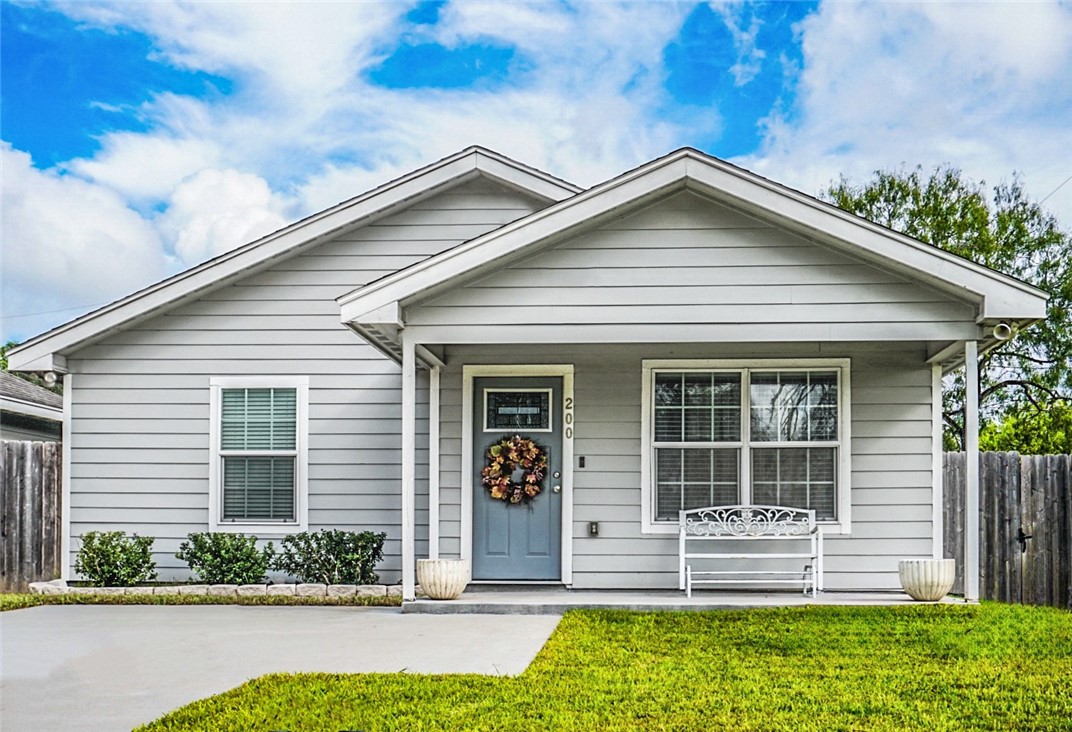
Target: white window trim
(843,524)
(262,529)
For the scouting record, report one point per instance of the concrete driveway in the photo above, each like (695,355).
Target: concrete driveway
(98,667)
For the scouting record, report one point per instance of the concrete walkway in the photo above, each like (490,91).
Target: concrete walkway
(97,667)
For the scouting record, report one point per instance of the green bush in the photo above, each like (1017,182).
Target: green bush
(332,557)
(226,559)
(113,559)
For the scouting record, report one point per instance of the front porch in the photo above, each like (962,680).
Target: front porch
(518,600)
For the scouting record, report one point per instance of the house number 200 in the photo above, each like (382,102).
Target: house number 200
(567,417)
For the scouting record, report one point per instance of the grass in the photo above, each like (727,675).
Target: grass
(988,667)
(19,601)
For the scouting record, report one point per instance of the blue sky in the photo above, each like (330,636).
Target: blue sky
(140,138)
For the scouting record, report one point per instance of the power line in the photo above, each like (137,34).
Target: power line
(1059,187)
(50,312)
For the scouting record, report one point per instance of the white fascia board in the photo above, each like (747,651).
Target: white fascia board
(34,354)
(494,248)
(1002,297)
(20,406)
(523,178)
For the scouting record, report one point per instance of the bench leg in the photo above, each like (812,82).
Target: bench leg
(688,581)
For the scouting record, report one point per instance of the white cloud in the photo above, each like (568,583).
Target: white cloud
(66,243)
(981,86)
(217,210)
(145,167)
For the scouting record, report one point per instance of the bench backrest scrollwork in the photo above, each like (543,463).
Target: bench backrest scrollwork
(746,522)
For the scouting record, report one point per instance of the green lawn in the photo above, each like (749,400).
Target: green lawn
(17,601)
(989,667)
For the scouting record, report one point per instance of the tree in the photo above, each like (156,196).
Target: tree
(1031,432)
(1006,232)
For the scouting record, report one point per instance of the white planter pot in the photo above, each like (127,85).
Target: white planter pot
(927,579)
(443,579)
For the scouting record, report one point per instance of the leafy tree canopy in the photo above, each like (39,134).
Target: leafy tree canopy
(1004,231)
(1031,431)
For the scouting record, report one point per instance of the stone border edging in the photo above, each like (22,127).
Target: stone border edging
(305,589)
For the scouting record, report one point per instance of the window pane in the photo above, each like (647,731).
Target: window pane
(694,478)
(517,410)
(667,425)
(668,390)
(698,392)
(698,425)
(258,488)
(727,424)
(258,419)
(824,424)
(796,477)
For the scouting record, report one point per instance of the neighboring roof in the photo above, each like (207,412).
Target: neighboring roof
(997,296)
(46,352)
(21,397)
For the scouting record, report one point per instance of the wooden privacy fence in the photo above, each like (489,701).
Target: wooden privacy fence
(1025,526)
(30,529)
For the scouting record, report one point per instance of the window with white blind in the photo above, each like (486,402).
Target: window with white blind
(258,474)
(728,432)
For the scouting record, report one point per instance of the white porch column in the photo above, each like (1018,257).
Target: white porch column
(409,466)
(971,470)
(433,463)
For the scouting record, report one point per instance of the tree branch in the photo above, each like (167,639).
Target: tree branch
(1023,383)
(1032,359)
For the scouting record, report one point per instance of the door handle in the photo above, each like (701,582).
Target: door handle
(557,489)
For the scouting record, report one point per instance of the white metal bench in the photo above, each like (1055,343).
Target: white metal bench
(750,523)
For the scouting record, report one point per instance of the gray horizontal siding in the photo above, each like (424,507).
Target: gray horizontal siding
(891,459)
(140,447)
(688,268)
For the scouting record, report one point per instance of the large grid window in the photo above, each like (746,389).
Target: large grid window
(763,436)
(258,431)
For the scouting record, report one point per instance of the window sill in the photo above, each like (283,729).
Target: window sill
(262,531)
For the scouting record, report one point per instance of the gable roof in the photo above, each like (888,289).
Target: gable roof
(21,397)
(47,351)
(376,308)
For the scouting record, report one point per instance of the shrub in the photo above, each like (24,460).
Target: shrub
(332,557)
(113,559)
(226,559)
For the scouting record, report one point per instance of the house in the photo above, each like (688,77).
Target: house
(29,411)
(687,333)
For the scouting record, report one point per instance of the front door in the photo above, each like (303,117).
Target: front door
(521,541)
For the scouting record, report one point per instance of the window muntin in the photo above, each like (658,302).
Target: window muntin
(258,451)
(783,421)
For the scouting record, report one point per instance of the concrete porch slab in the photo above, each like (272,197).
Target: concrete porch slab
(557,600)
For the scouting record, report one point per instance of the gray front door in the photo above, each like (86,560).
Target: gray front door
(518,541)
